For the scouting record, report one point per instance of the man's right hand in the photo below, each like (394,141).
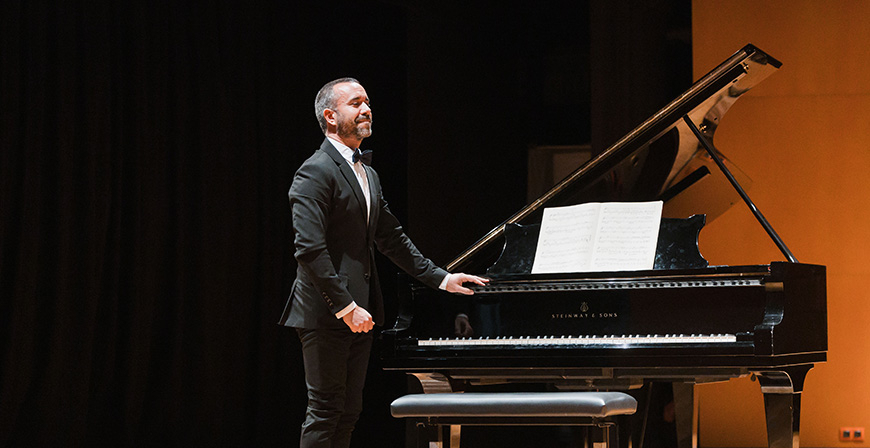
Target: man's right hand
(359,320)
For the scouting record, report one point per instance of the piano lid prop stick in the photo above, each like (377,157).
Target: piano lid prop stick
(767,227)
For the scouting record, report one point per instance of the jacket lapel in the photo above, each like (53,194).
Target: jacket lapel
(374,188)
(349,175)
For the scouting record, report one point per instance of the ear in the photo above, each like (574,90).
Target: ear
(329,115)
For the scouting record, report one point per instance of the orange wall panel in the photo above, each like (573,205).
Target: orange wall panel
(803,136)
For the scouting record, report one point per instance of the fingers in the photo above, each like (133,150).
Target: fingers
(465,291)
(359,320)
(362,328)
(475,279)
(362,320)
(456,281)
(466,278)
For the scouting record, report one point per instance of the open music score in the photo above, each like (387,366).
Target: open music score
(598,236)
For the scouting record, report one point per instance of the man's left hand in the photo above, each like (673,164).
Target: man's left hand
(454,283)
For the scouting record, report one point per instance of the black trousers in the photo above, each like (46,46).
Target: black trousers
(336,361)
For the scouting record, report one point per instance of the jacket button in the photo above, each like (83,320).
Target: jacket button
(366,276)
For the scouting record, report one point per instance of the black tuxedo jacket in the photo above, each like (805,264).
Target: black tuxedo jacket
(335,245)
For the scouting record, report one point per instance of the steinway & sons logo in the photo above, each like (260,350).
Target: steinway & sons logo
(585,313)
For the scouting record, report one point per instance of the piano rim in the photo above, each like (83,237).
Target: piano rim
(597,361)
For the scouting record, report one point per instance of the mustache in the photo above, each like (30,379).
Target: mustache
(363,118)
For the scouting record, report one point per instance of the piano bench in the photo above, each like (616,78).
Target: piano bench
(442,415)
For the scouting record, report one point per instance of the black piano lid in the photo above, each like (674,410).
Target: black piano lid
(659,160)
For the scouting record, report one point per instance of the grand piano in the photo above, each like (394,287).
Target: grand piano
(683,322)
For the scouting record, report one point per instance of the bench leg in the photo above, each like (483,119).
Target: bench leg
(603,436)
(454,435)
(438,436)
(598,435)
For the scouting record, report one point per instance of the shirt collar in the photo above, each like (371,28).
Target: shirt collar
(343,149)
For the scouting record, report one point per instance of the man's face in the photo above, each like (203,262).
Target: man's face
(353,115)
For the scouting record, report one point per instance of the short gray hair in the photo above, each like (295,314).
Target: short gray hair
(326,100)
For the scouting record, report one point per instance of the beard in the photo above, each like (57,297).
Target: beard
(359,128)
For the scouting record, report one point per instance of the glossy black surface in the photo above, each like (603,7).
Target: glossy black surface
(749,302)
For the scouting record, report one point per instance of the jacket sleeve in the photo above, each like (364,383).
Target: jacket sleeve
(391,241)
(310,198)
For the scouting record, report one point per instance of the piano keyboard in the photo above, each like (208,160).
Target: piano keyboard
(582,340)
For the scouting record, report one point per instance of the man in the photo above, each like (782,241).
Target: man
(339,217)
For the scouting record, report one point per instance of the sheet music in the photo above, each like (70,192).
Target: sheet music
(598,236)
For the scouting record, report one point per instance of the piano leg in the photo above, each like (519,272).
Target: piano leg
(782,404)
(686,415)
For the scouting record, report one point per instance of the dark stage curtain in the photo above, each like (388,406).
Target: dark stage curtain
(147,148)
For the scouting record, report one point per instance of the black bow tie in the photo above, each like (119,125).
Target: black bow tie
(365,156)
